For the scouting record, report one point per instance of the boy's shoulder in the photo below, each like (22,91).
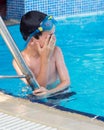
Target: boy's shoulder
(58,49)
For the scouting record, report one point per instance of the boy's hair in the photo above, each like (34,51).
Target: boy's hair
(30,22)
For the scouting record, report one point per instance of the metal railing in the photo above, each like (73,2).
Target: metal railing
(17,56)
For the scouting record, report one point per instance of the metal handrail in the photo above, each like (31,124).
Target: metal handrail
(17,55)
(12,76)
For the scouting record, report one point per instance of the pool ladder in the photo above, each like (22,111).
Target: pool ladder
(27,74)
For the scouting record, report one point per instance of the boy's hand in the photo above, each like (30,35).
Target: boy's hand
(48,47)
(41,92)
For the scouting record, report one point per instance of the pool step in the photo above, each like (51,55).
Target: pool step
(8,122)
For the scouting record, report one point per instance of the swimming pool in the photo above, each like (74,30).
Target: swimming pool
(82,42)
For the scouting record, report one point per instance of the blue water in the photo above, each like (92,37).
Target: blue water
(82,42)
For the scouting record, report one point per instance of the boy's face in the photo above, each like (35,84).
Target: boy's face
(45,35)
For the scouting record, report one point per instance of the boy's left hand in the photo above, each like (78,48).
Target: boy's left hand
(42,91)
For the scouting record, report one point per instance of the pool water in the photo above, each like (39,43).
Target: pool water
(82,42)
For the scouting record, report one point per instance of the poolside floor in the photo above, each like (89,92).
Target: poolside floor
(11,22)
(45,115)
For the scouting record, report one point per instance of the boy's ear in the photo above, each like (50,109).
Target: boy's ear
(33,41)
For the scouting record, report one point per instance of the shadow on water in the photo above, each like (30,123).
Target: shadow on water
(54,97)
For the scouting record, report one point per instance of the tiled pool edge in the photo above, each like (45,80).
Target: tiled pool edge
(15,22)
(55,8)
(26,110)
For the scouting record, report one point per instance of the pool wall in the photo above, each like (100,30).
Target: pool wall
(57,8)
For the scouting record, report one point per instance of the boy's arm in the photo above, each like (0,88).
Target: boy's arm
(63,75)
(62,72)
(18,71)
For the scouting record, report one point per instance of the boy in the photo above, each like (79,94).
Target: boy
(41,55)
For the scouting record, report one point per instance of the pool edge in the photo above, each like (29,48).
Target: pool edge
(41,113)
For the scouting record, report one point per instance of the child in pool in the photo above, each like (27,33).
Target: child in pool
(41,55)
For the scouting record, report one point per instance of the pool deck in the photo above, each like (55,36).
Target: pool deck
(11,22)
(46,115)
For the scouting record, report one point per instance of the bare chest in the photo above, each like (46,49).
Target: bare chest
(35,65)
